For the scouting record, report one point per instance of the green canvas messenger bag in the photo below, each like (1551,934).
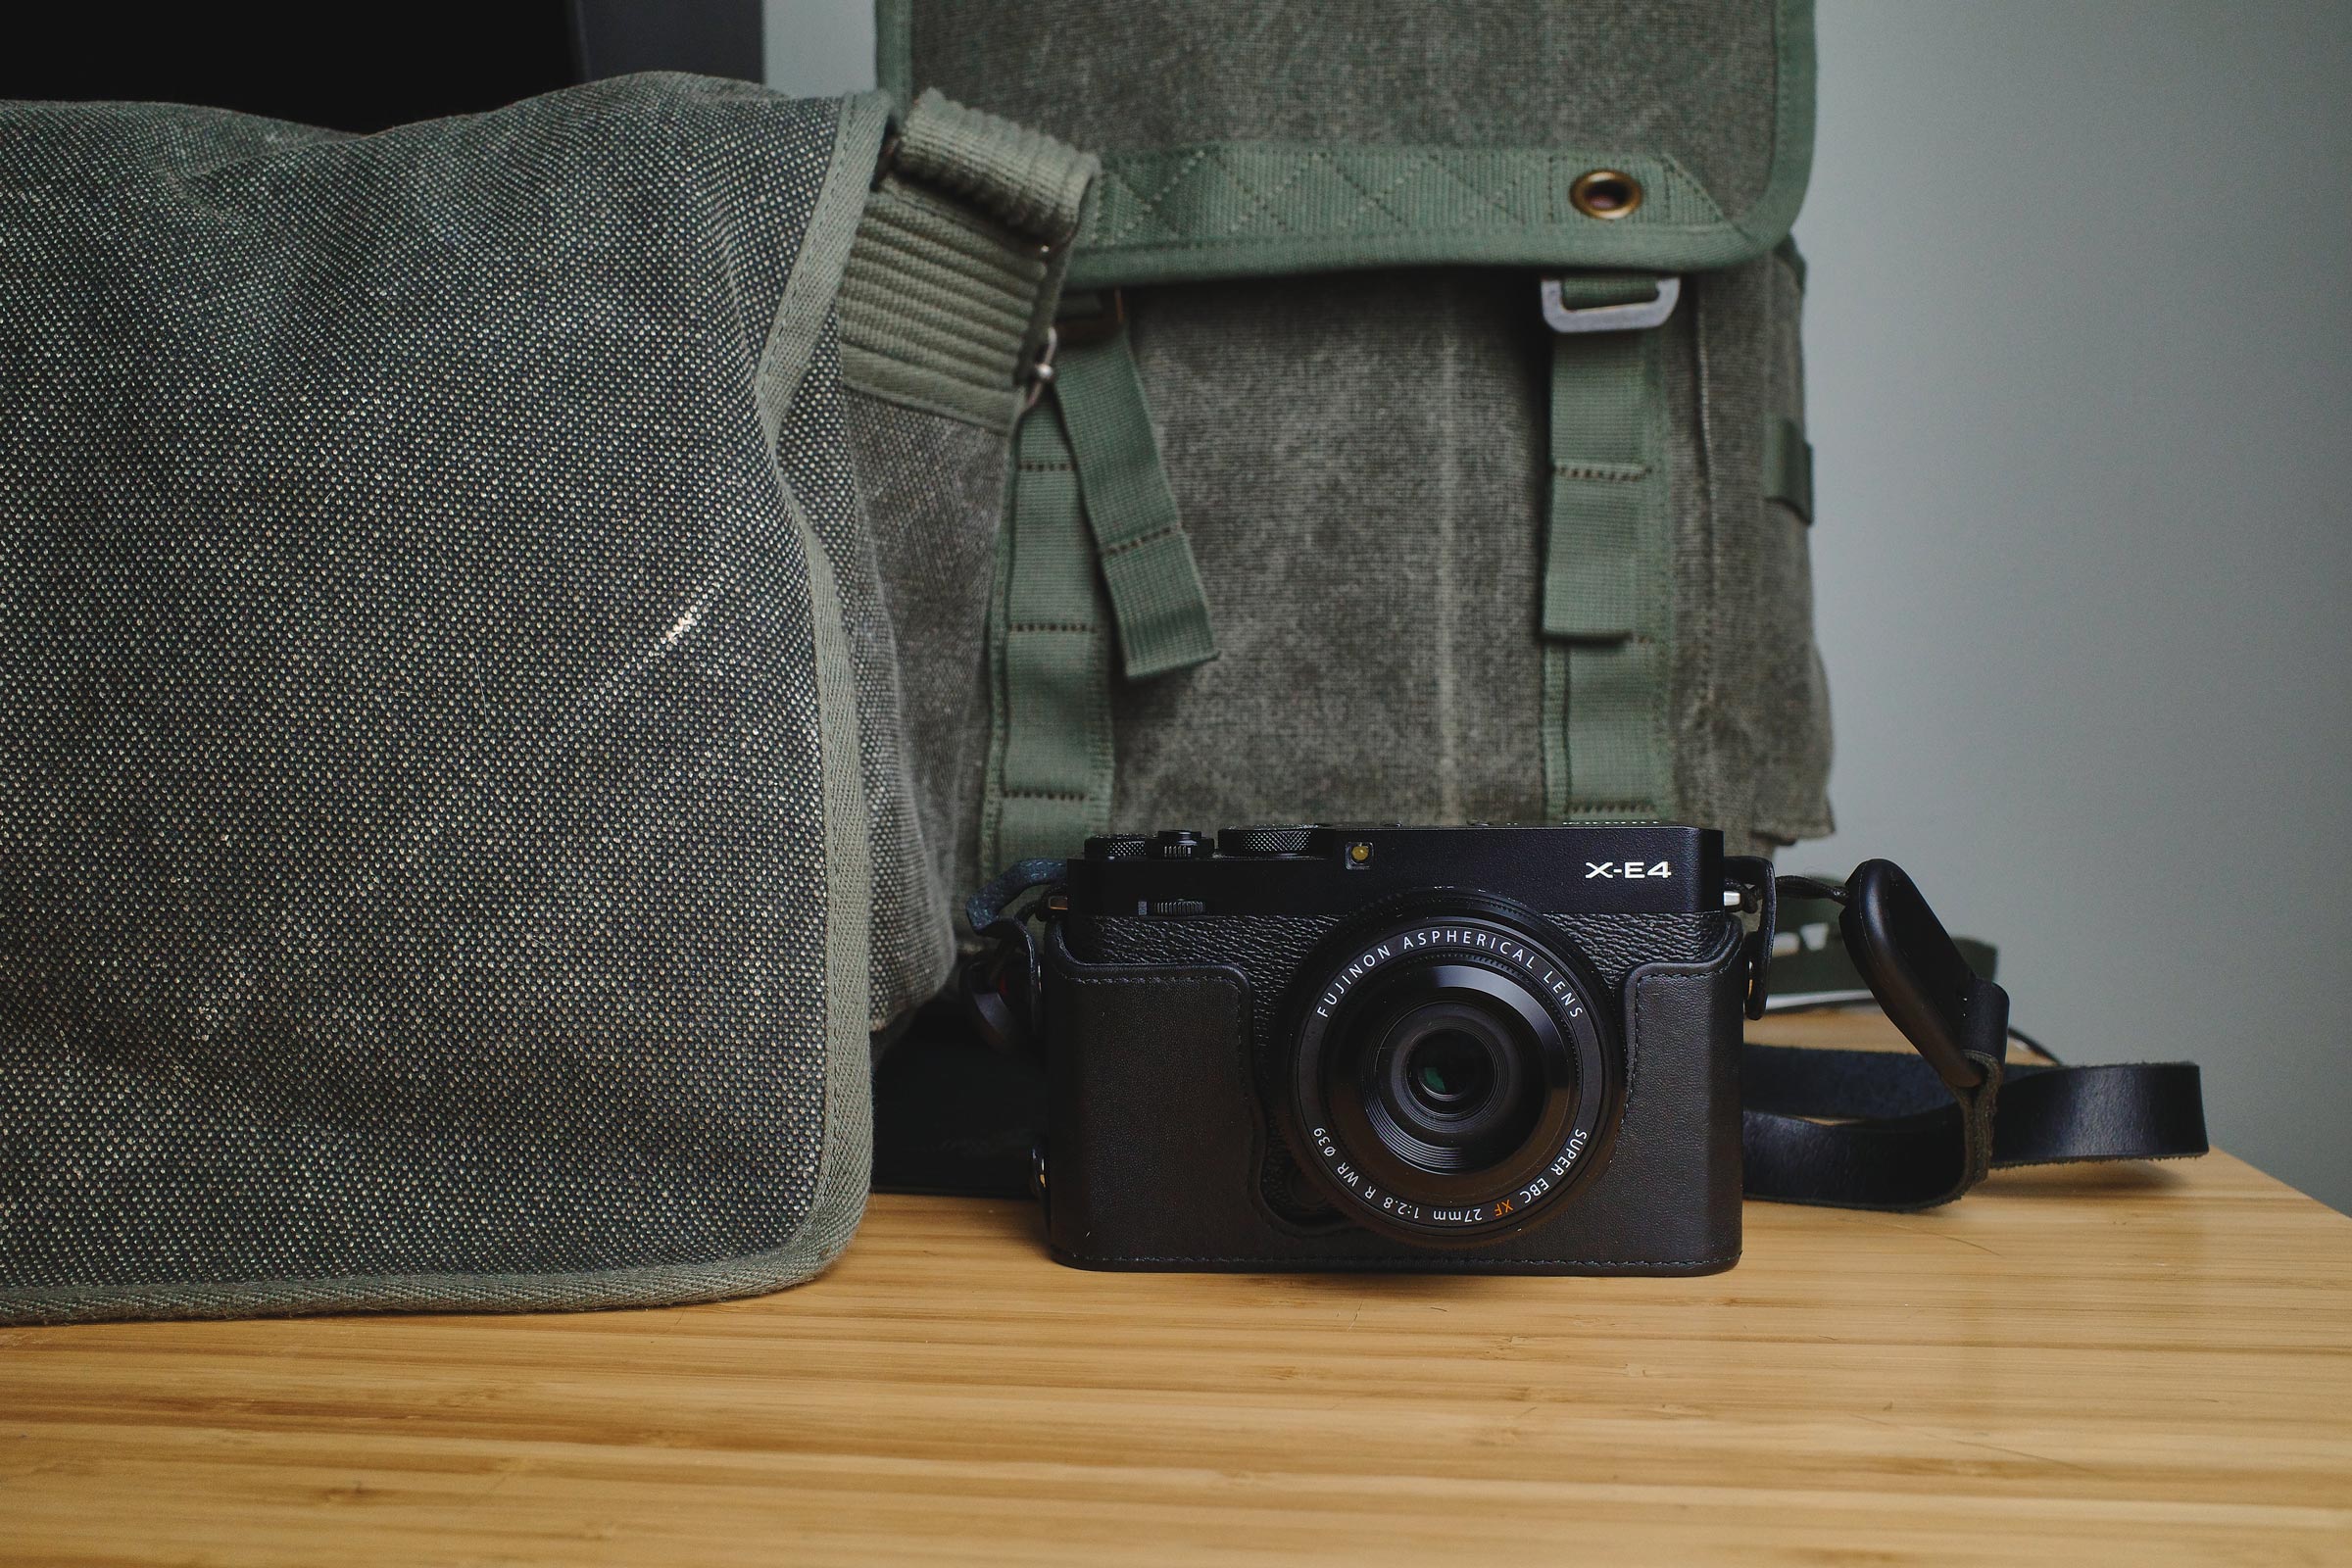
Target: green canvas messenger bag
(453,847)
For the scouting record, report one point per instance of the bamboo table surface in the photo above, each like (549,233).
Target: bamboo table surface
(2090,1364)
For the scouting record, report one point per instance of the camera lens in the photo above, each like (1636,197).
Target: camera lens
(1450,1068)
(1450,1076)
(1450,1072)
(1447,1087)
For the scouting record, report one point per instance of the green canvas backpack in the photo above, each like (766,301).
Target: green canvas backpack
(1423,433)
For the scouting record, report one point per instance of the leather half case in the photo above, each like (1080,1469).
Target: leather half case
(1158,1136)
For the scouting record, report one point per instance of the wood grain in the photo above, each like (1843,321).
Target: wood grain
(2130,1364)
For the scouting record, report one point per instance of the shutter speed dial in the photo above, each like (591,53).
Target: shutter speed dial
(1291,840)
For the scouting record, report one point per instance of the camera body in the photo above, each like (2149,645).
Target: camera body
(1487,1049)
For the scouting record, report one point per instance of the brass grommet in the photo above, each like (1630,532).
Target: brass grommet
(1605,193)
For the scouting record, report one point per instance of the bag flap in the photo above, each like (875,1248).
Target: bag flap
(1295,136)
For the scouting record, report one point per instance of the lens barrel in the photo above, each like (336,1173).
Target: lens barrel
(1451,1076)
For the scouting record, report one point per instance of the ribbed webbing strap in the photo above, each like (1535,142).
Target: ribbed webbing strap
(1608,605)
(1024,178)
(958,261)
(1156,592)
(1050,753)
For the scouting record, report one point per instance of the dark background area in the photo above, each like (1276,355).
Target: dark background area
(414,61)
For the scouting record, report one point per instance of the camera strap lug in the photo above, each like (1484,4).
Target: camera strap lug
(999,983)
(1758,889)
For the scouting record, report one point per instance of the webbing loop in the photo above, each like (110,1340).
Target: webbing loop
(1146,558)
(1608,603)
(1049,762)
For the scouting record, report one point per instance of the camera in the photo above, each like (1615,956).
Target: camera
(1498,1050)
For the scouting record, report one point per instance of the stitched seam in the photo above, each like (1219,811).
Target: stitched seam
(1267,198)
(1141,540)
(1401,228)
(1149,208)
(1043,795)
(1492,200)
(1616,474)
(1048,625)
(1264,203)
(1353,219)
(1222,982)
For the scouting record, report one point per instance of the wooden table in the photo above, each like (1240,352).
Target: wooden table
(2131,1364)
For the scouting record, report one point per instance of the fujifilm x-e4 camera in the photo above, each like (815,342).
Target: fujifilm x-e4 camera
(1500,1050)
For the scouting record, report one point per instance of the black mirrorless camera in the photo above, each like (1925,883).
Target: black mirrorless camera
(1502,1050)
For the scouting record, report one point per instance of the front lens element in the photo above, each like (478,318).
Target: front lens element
(1450,1072)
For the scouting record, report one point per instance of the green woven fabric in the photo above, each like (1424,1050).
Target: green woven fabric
(1155,595)
(1050,757)
(1608,603)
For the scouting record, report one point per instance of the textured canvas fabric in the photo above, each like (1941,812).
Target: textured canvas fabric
(1361,466)
(1692,79)
(936,489)
(1363,453)
(433,830)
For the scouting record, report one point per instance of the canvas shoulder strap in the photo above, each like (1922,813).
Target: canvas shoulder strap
(950,293)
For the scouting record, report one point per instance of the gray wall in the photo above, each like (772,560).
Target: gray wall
(2080,360)
(2081,400)
(817,47)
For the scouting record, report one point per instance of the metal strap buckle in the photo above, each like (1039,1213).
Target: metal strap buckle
(1562,316)
(1085,319)
(1039,372)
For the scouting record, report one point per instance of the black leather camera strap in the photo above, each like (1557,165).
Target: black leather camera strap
(1869,1129)
(1848,1129)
